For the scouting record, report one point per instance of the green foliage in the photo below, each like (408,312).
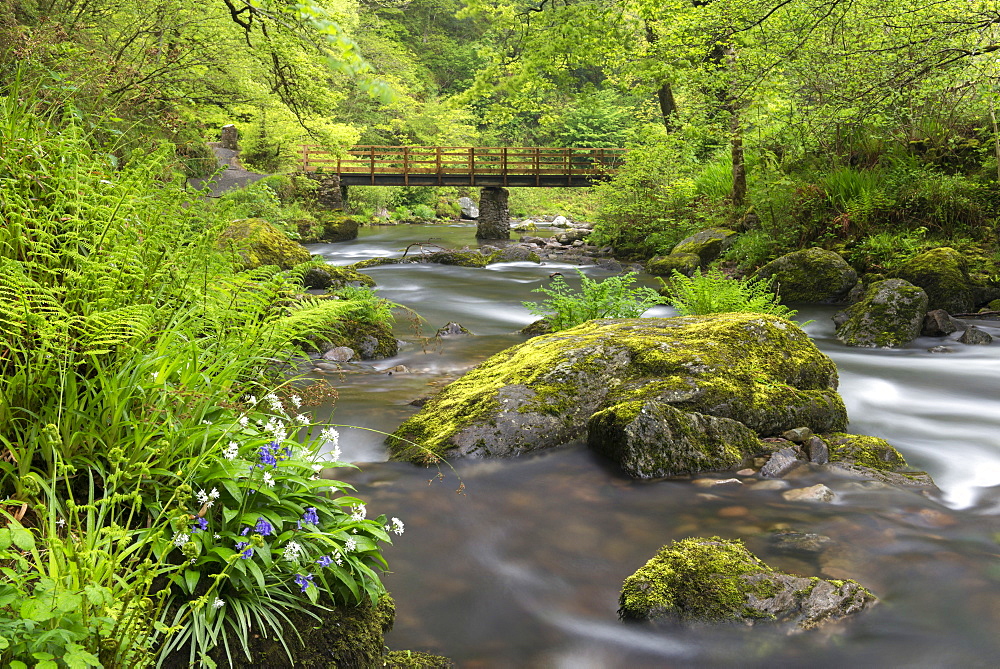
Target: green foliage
(612,298)
(712,292)
(885,251)
(128,347)
(649,204)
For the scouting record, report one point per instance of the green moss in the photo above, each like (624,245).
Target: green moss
(323,276)
(889,314)
(757,369)
(373,262)
(696,579)
(707,244)
(944,275)
(685,263)
(810,275)
(460,258)
(408,659)
(256,243)
(870,452)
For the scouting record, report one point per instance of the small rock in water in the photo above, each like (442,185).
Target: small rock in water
(975,337)
(746,472)
(340,354)
(709,483)
(818,451)
(798,542)
(733,512)
(452,329)
(815,493)
(398,369)
(780,463)
(938,323)
(797,435)
(773,484)
(940,349)
(560,222)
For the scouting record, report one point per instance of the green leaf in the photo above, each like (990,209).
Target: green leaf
(22,538)
(5,538)
(68,602)
(191,578)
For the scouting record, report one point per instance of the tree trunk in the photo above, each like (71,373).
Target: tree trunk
(665,94)
(739,167)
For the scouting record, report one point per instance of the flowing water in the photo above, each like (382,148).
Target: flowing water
(518,563)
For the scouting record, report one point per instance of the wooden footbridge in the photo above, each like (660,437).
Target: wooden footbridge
(465,166)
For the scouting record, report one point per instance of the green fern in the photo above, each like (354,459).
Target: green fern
(712,292)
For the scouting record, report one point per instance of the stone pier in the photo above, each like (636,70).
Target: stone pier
(494,216)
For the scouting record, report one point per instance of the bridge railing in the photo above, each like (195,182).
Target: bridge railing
(491,163)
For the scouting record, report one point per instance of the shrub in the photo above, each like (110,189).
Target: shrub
(712,292)
(612,298)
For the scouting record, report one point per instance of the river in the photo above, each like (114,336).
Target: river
(519,563)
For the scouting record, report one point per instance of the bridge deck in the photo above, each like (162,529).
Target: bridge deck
(465,166)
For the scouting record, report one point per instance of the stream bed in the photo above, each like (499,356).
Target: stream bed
(519,563)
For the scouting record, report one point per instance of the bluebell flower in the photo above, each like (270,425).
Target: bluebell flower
(310,516)
(264,528)
(248,553)
(245,531)
(286,452)
(267,455)
(324,561)
(303,581)
(200,525)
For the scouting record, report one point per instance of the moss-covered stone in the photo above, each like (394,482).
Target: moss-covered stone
(256,243)
(890,314)
(685,263)
(373,262)
(708,244)
(870,452)
(944,275)
(462,258)
(323,276)
(653,439)
(335,227)
(411,659)
(760,370)
(344,637)
(717,580)
(993,305)
(810,275)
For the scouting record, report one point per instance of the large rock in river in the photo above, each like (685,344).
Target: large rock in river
(759,370)
(890,314)
(715,580)
(708,244)
(943,273)
(810,275)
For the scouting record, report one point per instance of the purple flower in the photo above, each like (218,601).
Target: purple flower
(286,452)
(263,527)
(245,531)
(310,516)
(200,525)
(303,581)
(248,553)
(267,455)
(324,561)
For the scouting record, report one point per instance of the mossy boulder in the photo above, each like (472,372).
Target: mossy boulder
(708,244)
(343,636)
(944,275)
(323,277)
(890,314)
(371,340)
(653,439)
(873,459)
(757,369)
(810,275)
(338,228)
(256,243)
(685,263)
(717,580)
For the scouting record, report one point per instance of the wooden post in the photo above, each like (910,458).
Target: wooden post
(538,176)
(438,158)
(406,166)
(503,164)
(472,166)
(371,156)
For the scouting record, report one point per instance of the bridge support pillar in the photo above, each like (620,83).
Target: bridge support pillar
(494,216)
(330,193)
